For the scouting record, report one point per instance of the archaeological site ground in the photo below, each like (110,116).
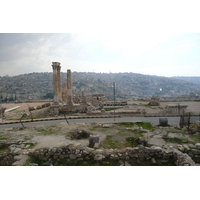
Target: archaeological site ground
(145,132)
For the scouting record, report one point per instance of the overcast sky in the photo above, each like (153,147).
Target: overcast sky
(112,36)
(146,53)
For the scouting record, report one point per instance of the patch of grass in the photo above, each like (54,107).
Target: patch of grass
(49,131)
(127,124)
(53,126)
(92,129)
(131,142)
(33,160)
(3,149)
(133,132)
(46,132)
(4,138)
(109,143)
(147,106)
(176,140)
(27,163)
(195,137)
(11,119)
(20,111)
(144,125)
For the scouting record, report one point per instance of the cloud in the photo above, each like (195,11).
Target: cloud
(23,53)
(99,52)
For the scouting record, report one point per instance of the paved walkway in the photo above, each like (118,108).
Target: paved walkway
(12,108)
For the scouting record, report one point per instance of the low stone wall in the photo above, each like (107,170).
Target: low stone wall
(78,155)
(7,159)
(195,155)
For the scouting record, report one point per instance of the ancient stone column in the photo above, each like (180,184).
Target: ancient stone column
(64,95)
(69,87)
(56,81)
(76,99)
(83,99)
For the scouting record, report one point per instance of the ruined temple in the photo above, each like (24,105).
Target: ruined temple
(63,101)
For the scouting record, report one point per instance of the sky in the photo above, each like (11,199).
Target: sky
(145,53)
(110,38)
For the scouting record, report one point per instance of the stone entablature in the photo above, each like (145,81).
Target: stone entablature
(178,109)
(116,103)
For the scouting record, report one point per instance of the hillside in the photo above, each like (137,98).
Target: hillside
(128,85)
(191,79)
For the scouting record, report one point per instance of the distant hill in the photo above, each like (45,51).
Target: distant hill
(128,85)
(191,79)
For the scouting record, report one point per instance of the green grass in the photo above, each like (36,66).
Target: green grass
(176,140)
(109,143)
(20,111)
(144,125)
(195,137)
(126,124)
(3,149)
(4,138)
(49,130)
(135,133)
(147,106)
(131,142)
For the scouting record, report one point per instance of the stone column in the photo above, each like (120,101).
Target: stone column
(56,81)
(83,99)
(69,87)
(64,96)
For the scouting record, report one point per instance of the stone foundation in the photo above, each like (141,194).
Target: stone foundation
(73,155)
(7,159)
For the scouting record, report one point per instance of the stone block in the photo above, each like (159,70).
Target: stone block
(98,157)
(153,160)
(38,107)
(72,157)
(197,145)
(126,164)
(107,125)
(96,145)
(133,155)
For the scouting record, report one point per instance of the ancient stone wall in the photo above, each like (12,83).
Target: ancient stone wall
(2,111)
(78,155)
(7,159)
(73,155)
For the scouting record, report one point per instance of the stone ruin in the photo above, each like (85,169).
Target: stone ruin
(63,97)
(155,101)
(178,109)
(2,111)
(63,101)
